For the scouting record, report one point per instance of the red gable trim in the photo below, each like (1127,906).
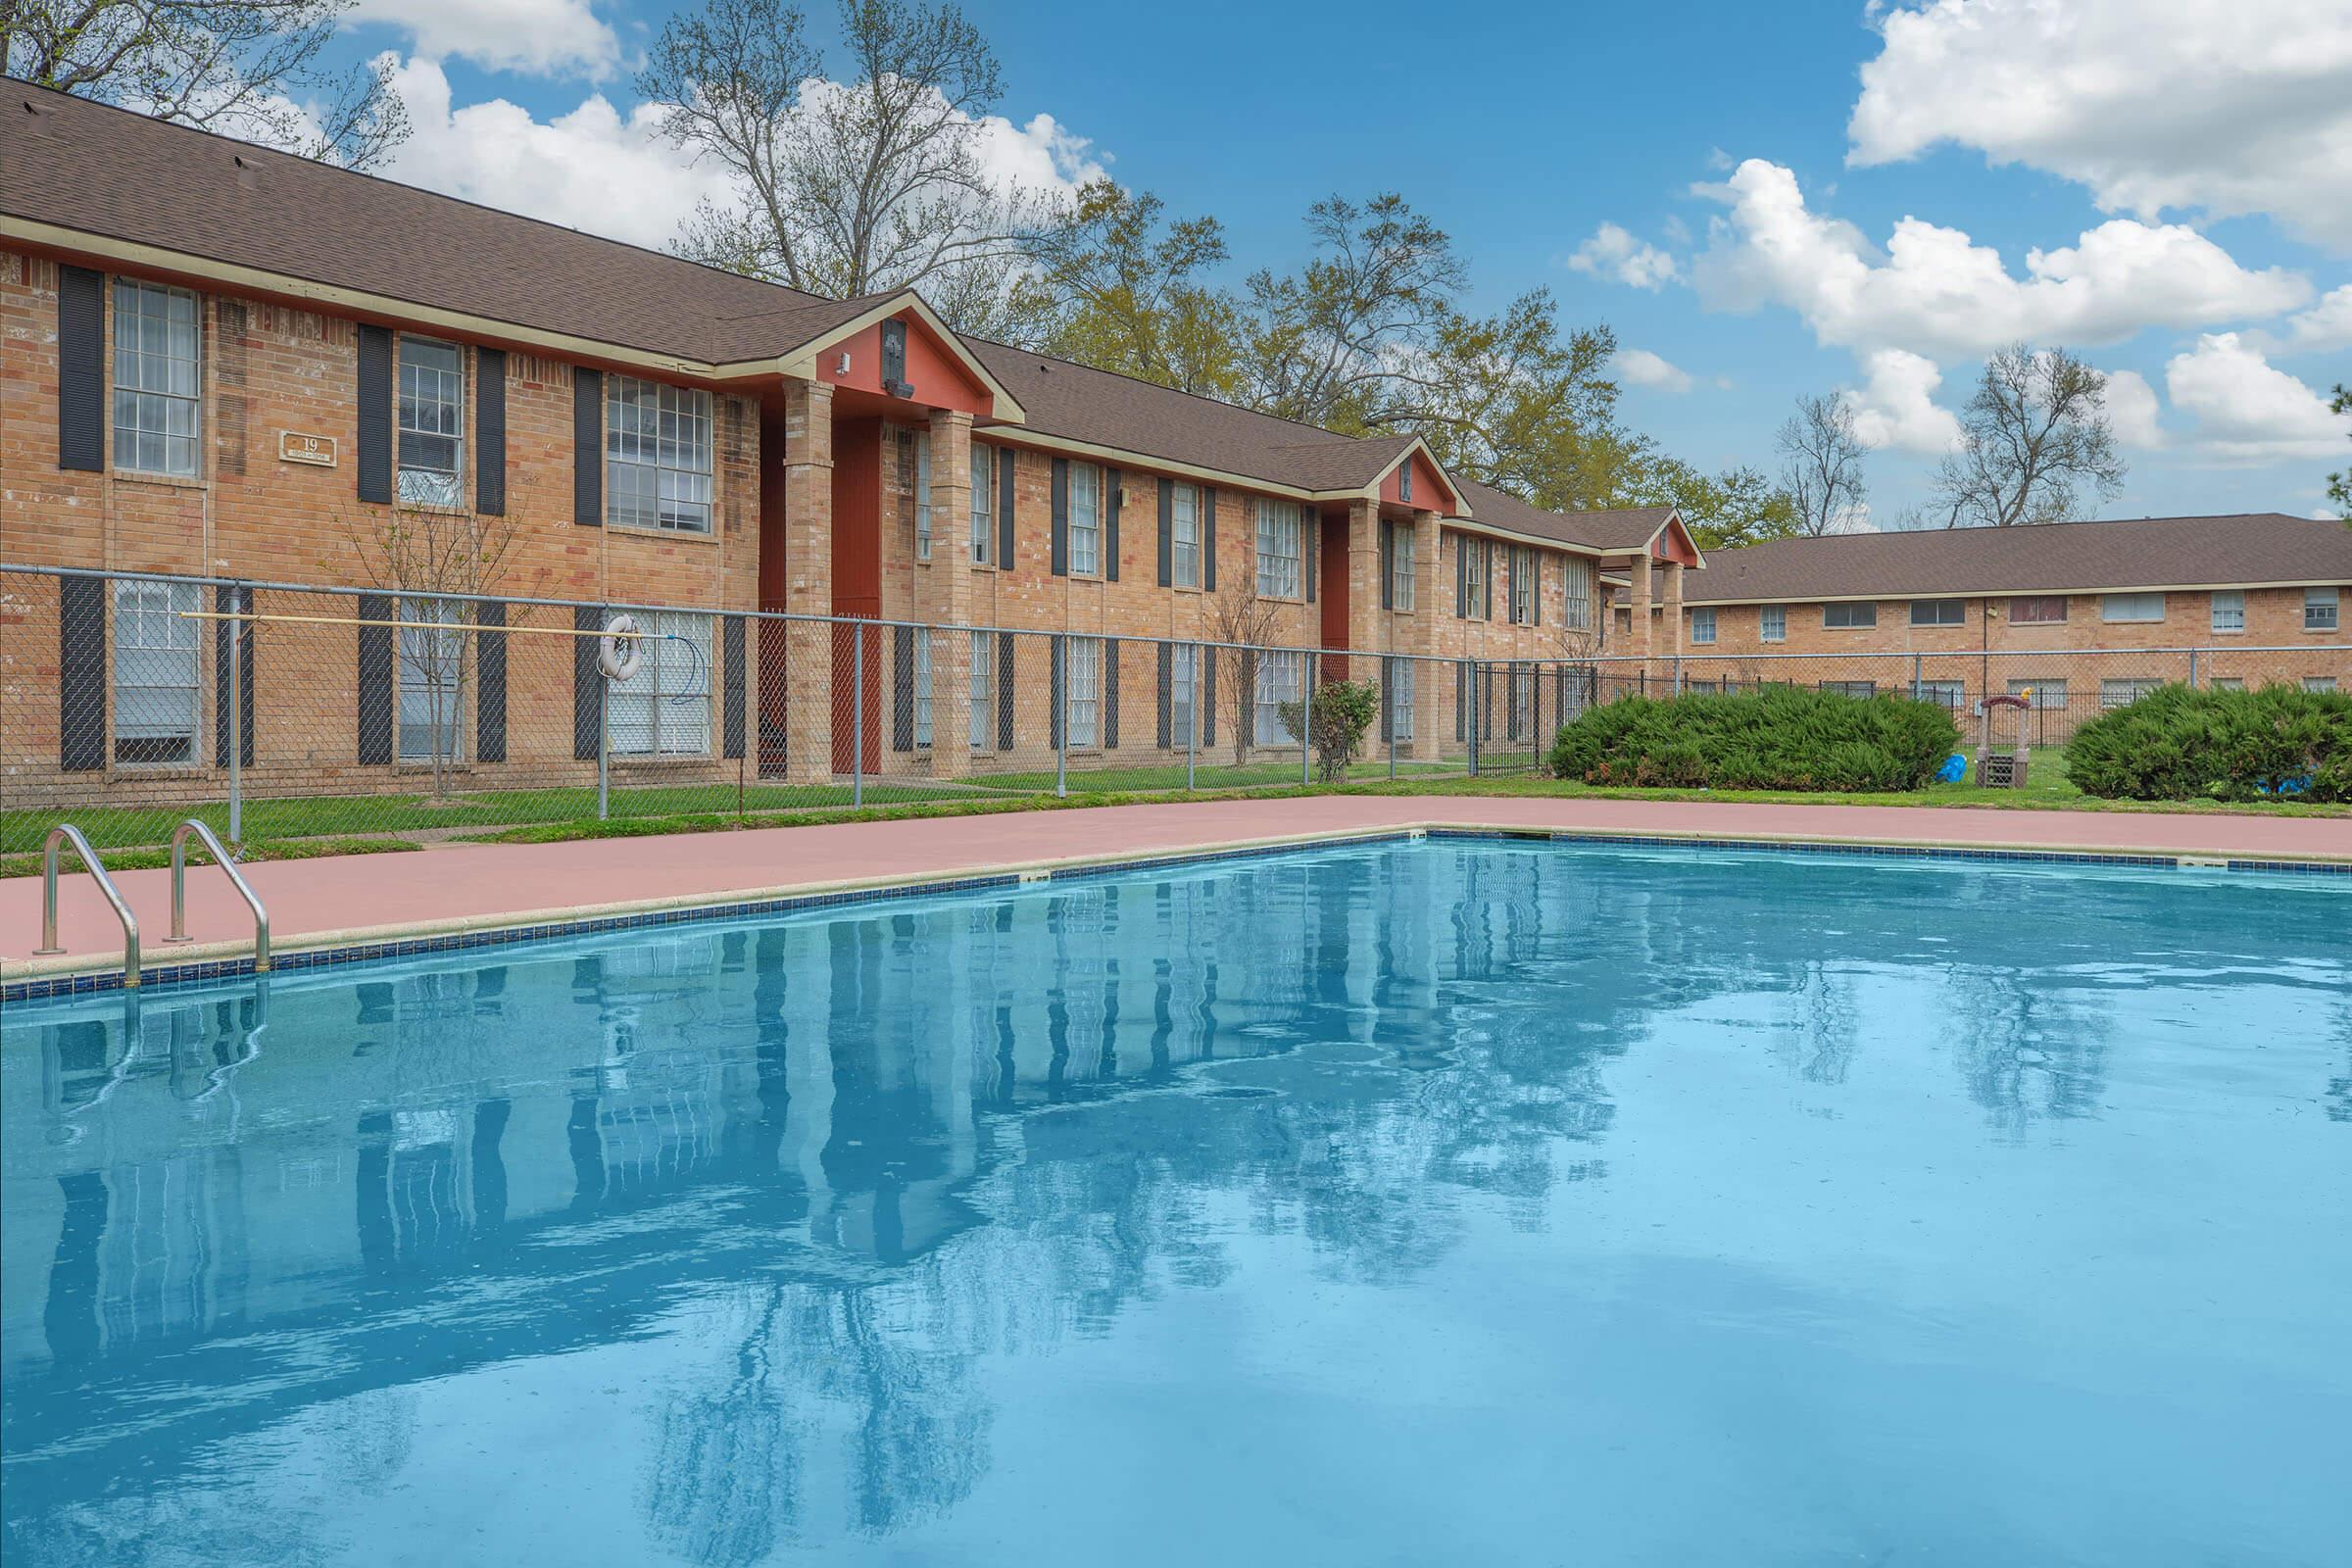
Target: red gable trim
(1431,490)
(935,369)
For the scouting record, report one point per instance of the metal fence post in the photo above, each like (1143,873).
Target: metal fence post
(1387,686)
(1060,674)
(1915,677)
(1192,724)
(857,714)
(603,746)
(238,633)
(1470,721)
(2192,669)
(1306,718)
(1678,674)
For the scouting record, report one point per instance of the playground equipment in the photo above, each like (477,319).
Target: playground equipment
(2002,770)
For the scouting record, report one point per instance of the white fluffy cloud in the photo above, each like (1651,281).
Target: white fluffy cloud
(2247,409)
(1641,368)
(541,37)
(2152,104)
(1614,254)
(597,170)
(1896,405)
(2325,327)
(2132,410)
(1935,292)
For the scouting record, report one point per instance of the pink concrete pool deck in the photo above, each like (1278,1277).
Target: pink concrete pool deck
(375,897)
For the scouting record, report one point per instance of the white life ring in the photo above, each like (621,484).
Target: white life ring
(621,649)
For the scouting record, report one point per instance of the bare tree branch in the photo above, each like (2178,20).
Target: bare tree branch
(1823,460)
(2031,437)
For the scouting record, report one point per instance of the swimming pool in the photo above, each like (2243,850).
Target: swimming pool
(1449,1200)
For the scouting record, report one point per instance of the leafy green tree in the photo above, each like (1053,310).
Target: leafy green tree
(1740,506)
(1123,289)
(1343,710)
(2340,485)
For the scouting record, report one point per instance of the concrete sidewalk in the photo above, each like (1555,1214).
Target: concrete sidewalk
(373,897)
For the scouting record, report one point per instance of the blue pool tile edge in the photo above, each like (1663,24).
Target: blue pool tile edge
(160,976)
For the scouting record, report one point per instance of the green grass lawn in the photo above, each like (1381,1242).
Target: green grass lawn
(133,836)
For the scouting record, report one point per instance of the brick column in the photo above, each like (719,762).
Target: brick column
(1432,612)
(1639,641)
(1670,644)
(950,595)
(808,464)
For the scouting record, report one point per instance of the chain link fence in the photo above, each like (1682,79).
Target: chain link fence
(278,712)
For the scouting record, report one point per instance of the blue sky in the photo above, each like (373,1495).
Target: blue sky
(1797,198)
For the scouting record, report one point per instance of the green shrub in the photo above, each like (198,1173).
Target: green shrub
(1781,737)
(1344,709)
(2177,743)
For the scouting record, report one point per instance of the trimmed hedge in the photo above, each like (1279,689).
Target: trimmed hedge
(2178,744)
(1779,738)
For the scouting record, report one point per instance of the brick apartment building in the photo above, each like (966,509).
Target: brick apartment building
(2244,600)
(225,363)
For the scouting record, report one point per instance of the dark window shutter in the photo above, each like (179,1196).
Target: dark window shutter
(1005,691)
(1005,462)
(1113,485)
(1208,538)
(376,680)
(81,372)
(373,462)
(81,673)
(1167,535)
(1310,549)
(1461,581)
(1207,715)
(1061,517)
(227,601)
(587,715)
(1246,710)
(1388,565)
(490,682)
(587,448)
(733,641)
(1388,698)
(490,431)
(1535,595)
(1110,694)
(1168,685)
(901,687)
(1060,669)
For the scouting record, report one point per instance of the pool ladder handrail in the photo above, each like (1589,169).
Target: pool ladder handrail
(68,833)
(221,858)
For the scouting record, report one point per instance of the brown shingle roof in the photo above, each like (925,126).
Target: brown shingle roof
(94,169)
(2053,557)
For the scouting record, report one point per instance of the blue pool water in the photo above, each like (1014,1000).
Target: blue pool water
(1465,1202)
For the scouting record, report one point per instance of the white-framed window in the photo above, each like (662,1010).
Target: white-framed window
(1851,688)
(1400,698)
(155,670)
(427,672)
(1577,581)
(432,422)
(664,709)
(1474,577)
(1082,675)
(2123,690)
(1850,616)
(1939,612)
(1946,694)
(657,455)
(922,688)
(2131,606)
(1279,676)
(984,504)
(1184,675)
(2229,610)
(1184,535)
(1703,625)
(2229,683)
(984,690)
(1523,583)
(2037,610)
(1086,519)
(2320,608)
(2042,694)
(922,495)
(1772,623)
(159,384)
(1277,558)
(2319,683)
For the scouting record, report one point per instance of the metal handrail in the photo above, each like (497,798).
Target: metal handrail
(221,857)
(68,833)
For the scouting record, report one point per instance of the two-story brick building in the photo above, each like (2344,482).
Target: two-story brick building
(227,362)
(2242,600)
